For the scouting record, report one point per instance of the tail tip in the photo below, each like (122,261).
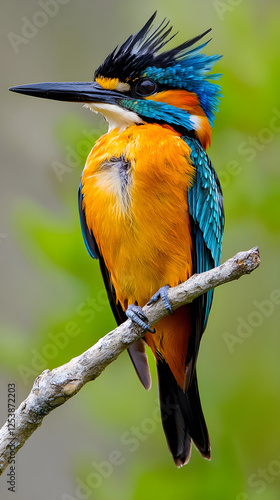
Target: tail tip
(183,459)
(180,461)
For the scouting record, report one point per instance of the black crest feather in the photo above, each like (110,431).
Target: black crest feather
(141,51)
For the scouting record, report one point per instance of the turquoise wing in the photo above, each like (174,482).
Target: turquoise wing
(206,210)
(205,201)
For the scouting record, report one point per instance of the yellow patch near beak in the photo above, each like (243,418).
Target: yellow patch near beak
(112,84)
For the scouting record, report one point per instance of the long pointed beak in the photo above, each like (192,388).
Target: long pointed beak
(71,91)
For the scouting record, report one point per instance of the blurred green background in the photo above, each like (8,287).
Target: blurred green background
(53,304)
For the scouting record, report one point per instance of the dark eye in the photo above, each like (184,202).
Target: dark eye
(144,88)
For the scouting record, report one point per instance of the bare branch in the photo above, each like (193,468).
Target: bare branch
(53,388)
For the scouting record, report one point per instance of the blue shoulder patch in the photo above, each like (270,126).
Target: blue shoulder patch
(88,237)
(206,210)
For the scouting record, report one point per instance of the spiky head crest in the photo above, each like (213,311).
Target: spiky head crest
(180,67)
(141,50)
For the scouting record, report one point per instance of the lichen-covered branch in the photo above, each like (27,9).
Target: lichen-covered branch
(53,388)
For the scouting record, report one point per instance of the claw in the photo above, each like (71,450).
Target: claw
(136,314)
(162,294)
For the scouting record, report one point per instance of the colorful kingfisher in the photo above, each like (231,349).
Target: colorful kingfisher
(151,206)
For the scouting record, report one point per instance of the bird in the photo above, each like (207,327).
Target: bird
(151,205)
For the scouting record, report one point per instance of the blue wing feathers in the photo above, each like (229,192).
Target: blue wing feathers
(207,214)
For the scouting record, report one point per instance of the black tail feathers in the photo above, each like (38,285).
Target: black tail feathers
(182,416)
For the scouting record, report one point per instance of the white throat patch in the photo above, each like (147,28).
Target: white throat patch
(116,116)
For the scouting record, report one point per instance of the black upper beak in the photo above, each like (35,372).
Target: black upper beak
(71,91)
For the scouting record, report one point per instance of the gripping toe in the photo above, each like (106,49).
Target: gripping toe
(136,314)
(162,294)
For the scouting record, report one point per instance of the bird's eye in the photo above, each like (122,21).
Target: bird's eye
(144,87)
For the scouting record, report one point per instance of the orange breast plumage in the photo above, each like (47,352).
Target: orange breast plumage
(144,244)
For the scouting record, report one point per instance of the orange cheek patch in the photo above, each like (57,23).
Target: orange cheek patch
(178,98)
(189,101)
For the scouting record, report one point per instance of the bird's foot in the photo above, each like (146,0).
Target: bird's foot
(136,314)
(162,294)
